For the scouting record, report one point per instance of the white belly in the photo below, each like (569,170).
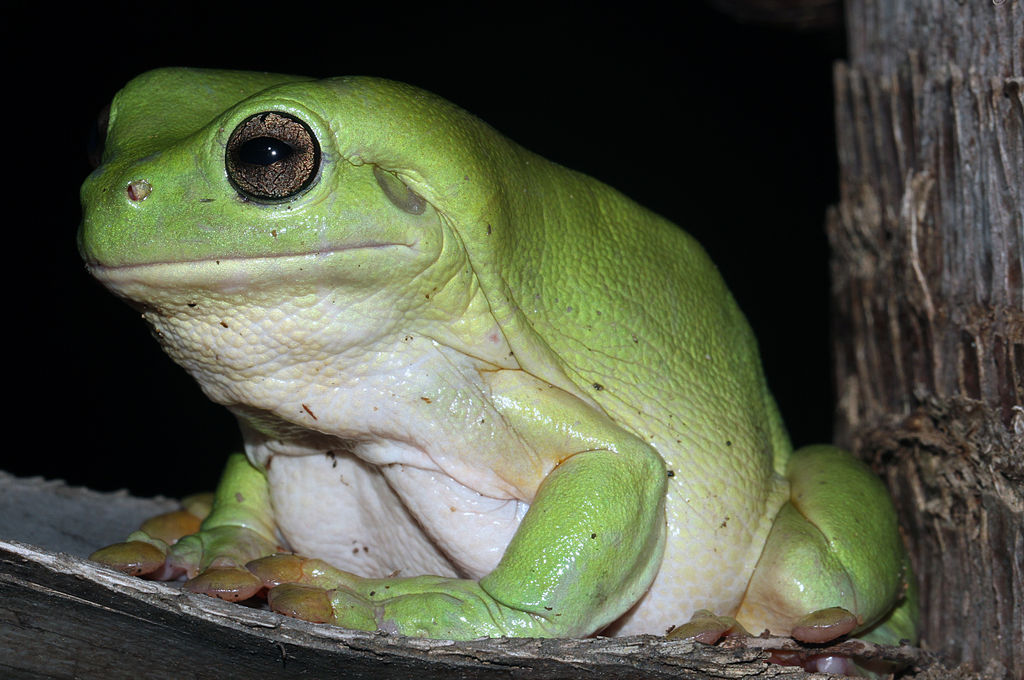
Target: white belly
(390,520)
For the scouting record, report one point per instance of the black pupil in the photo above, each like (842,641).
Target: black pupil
(264,151)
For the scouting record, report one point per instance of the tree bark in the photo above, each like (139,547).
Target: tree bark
(928,256)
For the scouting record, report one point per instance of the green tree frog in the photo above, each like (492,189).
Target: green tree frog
(481,394)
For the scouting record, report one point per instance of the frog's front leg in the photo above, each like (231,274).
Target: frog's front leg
(834,563)
(585,551)
(236,529)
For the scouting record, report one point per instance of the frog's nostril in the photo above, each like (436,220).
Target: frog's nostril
(138,189)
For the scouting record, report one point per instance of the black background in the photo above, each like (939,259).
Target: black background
(722,127)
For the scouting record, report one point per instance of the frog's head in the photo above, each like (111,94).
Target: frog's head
(250,215)
(202,167)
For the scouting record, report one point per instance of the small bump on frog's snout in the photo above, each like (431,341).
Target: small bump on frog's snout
(138,189)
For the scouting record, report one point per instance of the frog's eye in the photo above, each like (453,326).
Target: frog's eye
(272,156)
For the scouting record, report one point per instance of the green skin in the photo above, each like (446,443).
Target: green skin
(464,329)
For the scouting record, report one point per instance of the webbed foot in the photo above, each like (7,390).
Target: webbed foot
(144,552)
(209,541)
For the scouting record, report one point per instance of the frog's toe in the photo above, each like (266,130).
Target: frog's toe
(290,568)
(707,628)
(299,601)
(277,569)
(135,558)
(824,625)
(171,526)
(339,606)
(233,584)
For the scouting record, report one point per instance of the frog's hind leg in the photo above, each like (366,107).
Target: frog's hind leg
(834,563)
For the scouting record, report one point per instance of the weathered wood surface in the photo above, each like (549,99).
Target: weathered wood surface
(64,617)
(928,282)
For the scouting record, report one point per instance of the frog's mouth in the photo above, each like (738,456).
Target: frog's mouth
(357,263)
(94,262)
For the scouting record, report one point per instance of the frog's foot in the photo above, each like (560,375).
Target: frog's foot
(707,628)
(833,563)
(821,626)
(172,547)
(419,606)
(817,628)
(209,542)
(144,552)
